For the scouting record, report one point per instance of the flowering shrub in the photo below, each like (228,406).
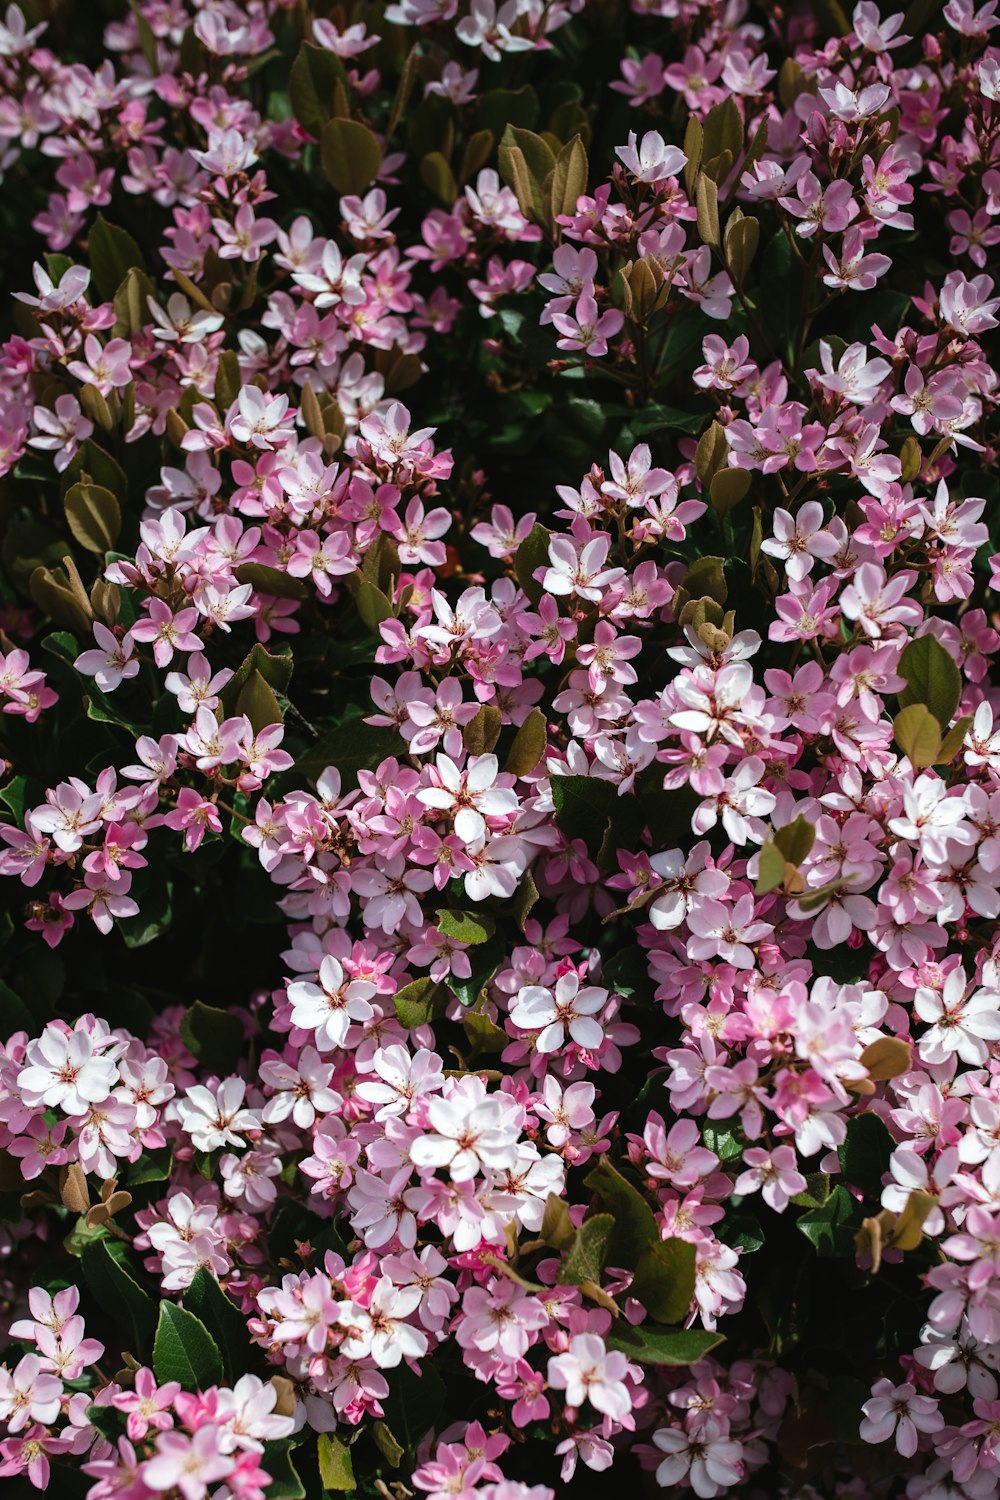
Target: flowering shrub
(501,797)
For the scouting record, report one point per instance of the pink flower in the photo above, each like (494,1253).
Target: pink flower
(187,1463)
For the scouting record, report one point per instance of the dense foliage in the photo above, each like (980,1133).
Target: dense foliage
(500,810)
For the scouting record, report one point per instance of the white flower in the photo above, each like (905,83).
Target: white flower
(468,1131)
(653,160)
(958,1023)
(589,1373)
(377,1332)
(328,1008)
(214,1118)
(569,1009)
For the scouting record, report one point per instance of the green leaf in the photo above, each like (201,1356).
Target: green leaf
(770,869)
(214,1036)
(385,1441)
(743,1230)
(414,1405)
(224,1321)
(311,82)
(372,605)
(795,840)
(831,1229)
(584,1259)
(664,1279)
(528,746)
(655,418)
(94,465)
(349,155)
(502,107)
(14,1014)
(155,916)
(485,959)
(865,1152)
(273,581)
(113,253)
(419,1002)
(483,1033)
(952,742)
(583,806)
(21,792)
(436,174)
(258,702)
(817,1191)
(918,734)
(277,1461)
(524,899)
(724,1141)
(119,1294)
(660,1346)
(465,926)
(533,553)
(276,672)
(335,1469)
(183,1350)
(352,747)
(779,293)
(93,516)
(228,380)
(932,678)
(635,1228)
(150,1167)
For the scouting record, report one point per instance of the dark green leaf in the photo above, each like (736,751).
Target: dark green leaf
(311,82)
(214,1036)
(831,1229)
(583,806)
(864,1154)
(119,1294)
(635,1226)
(183,1350)
(352,747)
(664,1279)
(224,1321)
(532,554)
(415,1403)
(113,253)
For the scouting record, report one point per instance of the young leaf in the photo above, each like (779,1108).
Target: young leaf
(585,1257)
(465,926)
(419,1002)
(528,746)
(662,1346)
(335,1469)
(917,732)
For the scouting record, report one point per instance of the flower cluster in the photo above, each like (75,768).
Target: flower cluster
(500,800)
